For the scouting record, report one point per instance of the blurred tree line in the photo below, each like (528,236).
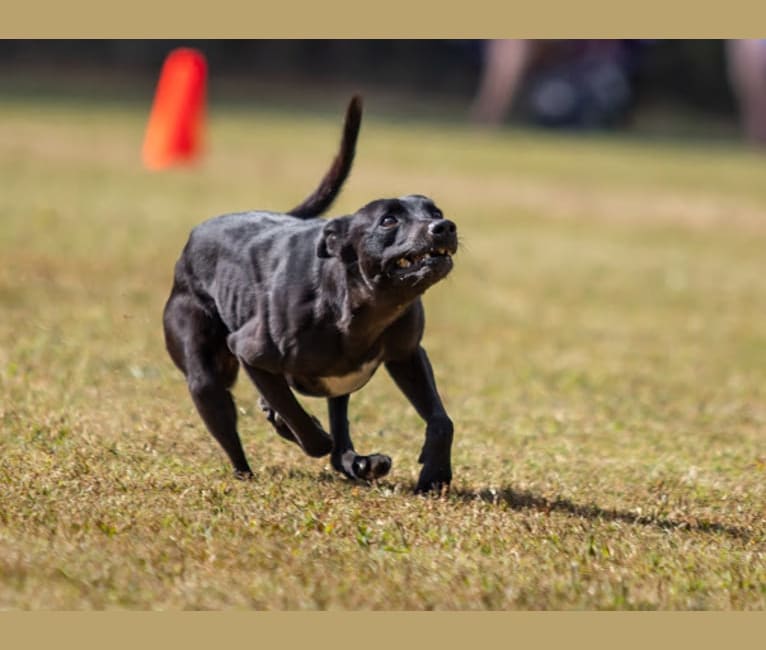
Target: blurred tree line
(680,72)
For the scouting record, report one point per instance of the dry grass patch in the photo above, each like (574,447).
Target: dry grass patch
(606,374)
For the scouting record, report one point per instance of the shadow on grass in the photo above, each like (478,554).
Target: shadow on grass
(517,500)
(529,501)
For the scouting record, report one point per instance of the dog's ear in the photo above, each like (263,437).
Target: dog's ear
(334,237)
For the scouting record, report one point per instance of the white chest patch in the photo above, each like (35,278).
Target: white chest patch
(345,384)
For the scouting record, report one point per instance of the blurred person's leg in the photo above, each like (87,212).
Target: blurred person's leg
(505,61)
(746,61)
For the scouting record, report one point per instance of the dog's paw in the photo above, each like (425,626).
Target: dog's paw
(362,468)
(243,475)
(434,479)
(372,467)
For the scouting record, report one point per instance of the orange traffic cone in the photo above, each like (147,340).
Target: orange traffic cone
(176,123)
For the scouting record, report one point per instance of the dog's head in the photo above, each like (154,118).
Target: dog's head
(404,245)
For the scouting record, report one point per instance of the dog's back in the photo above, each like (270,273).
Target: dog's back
(229,260)
(228,240)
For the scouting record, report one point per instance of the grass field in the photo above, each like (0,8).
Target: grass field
(600,346)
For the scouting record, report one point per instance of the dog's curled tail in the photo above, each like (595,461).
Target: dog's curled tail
(323,196)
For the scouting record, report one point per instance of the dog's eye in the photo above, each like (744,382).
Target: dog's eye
(388,221)
(437,214)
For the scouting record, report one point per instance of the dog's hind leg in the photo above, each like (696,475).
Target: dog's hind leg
(197,344)
(343,458)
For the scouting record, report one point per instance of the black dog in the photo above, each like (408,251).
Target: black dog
(317,305)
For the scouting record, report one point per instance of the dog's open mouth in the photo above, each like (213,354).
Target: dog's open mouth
(415,260)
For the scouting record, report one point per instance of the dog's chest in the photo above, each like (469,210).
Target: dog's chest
(334,385)
(345,384)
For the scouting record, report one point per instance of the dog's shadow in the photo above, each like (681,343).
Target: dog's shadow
(525,501)
(521,501)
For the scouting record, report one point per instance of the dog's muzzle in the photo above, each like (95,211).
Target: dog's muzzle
(437,251)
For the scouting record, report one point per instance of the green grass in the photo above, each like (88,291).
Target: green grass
(600,346)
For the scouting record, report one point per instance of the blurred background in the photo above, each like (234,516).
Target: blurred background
(707,88)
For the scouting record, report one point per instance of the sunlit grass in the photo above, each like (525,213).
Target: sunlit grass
(600,345)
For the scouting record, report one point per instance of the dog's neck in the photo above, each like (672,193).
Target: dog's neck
(360,309)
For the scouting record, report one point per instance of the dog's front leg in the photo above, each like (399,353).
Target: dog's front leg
(277,393)
(415,378)
(344,459)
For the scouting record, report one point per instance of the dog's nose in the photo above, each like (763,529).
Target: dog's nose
(442,227)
